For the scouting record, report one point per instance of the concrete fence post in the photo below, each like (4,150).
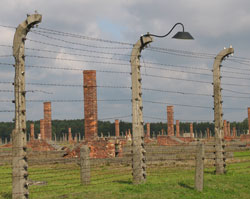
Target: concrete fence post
(85,165)
(199,169)
(218,114)
(19,146)
(138,150)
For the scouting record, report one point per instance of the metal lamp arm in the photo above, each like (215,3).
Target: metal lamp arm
(161,36)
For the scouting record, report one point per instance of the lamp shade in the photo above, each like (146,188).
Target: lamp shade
(182,35)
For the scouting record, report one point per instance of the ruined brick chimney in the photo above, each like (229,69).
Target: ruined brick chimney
(148,130)
(191,130)
(47,121)
(234,132)
(32,131)
(177,128)
(170,118)
(117,128)
(225,127)
(90,104)
(42,129)
(228,129)
(248,111)
(70,135)
(208,133)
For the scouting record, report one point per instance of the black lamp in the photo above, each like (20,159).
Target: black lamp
(178,35)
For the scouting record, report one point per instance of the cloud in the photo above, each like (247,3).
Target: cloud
(214,24)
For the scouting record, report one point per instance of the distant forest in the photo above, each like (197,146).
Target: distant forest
(60,127)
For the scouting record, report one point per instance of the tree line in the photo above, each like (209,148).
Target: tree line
(106,128)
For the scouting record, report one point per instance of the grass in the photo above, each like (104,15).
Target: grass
(111,182)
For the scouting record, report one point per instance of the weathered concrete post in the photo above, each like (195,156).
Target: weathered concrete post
(218,119)
(19,158)
(199,169)
(139,159)
(85,165)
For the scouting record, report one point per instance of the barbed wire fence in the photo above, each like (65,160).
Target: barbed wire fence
(62,57)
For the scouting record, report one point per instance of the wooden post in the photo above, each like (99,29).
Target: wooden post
(85,165)
(199,169)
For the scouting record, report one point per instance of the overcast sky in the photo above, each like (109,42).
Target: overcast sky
(214,25)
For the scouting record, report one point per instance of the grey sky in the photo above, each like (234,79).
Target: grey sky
(214,24)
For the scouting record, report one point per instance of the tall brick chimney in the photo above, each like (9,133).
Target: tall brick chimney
(70,135)
(208,133)
(177,128)
(191,130)
(225,127)
(234,132)
(170,118)
(248,111)
(148,130)
(117,128)
(90,104)
(32,131)
(228,129)
(42,129)
(47,121)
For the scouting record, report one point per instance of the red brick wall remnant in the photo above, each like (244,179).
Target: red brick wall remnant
(42,129)
(165,140)
(248,111)
(170,118)
(99,148)
(225,127)
(117,128)
(191,130)
(47,121)
(32,132)
(90,104)
(177,128)
(40,145)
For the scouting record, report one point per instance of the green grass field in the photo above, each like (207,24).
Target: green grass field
(63,181)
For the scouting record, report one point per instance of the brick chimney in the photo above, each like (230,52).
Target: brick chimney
(47,121)
(32,131)
(90,104)
(117,128)
(177,128)
(170,118)
(42,129)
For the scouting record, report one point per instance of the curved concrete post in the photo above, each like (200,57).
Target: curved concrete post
(139,159)
(218,115)
(19,159)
